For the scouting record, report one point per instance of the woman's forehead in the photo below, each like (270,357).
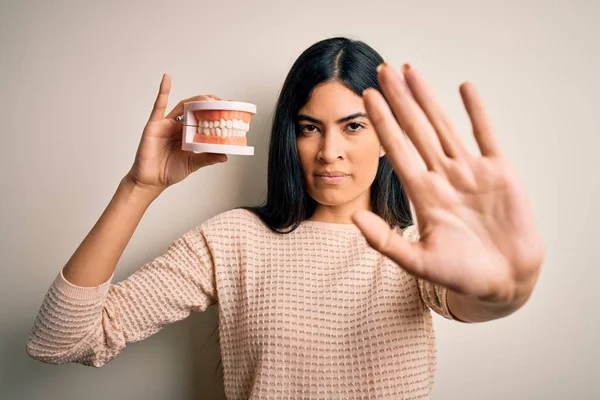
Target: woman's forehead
(332,101)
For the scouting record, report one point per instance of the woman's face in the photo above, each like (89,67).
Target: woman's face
(338,147)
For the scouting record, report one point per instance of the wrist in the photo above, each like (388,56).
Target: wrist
(138,191)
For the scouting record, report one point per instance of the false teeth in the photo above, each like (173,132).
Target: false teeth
(224,128)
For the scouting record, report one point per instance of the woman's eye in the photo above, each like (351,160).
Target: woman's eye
(308,129)
(355,126)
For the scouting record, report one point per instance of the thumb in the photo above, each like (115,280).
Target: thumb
(382,238)
(199,160)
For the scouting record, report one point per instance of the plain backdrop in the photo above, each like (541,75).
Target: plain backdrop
(77,82)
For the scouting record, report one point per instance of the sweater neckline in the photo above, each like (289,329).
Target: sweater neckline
(331,225)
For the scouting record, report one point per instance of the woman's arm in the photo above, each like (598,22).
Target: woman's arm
(94,261)
(86,319)
(92,325)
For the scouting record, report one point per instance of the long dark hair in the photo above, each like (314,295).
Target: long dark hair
(288,203)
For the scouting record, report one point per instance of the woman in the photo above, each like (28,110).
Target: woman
(325,290)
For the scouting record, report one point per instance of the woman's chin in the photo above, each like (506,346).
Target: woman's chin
(331,199)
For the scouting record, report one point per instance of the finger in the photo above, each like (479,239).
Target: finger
(447,134)
(178,109)
(160,104)
(482,125)
(200,160)
(393,140)
(411,118)
(382,238)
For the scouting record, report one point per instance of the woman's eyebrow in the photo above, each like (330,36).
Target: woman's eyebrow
(339,121)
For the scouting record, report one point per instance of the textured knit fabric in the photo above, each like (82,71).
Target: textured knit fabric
(313,314)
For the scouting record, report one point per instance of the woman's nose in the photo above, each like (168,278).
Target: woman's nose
(331,148)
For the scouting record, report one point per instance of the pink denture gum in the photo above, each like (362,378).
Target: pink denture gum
(217,126)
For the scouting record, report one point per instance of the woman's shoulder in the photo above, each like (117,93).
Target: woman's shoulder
(238,220)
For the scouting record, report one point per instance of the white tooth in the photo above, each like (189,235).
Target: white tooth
(211,131)
(199,130)
(211,124)
(206,124)
(206,131)
(246,125)
(236,124)
(226,132)
(229,123)
(222,124)
(218,131)
(235,132)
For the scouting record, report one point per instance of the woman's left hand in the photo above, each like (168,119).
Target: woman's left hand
(477,232)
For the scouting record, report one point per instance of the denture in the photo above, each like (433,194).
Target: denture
(222,127)
(217,126)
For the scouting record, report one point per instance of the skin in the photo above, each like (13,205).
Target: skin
(477,232)
(332,141)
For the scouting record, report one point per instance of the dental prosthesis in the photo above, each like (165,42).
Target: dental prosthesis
(217,126)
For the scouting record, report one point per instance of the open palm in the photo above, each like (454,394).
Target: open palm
(477,233)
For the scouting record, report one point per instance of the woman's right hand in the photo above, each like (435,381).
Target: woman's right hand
(160,162)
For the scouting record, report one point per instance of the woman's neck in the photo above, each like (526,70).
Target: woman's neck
(340,214)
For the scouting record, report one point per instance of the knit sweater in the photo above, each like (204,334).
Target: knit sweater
(316,313)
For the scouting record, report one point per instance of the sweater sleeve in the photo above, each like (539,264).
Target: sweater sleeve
(92,325)
(433,295)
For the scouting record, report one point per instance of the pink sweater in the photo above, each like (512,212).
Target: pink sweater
(315,314)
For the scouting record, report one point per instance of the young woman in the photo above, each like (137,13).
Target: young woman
(325,291)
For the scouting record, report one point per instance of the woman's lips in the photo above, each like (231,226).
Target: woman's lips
(332,179)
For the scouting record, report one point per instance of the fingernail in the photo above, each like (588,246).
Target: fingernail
(380,67)
(406,67)
(364,91)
